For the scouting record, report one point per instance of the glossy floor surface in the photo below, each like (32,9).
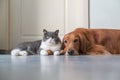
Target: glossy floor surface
(59,67)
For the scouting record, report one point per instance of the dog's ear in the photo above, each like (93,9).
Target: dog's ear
(62,49)
(63,45)
(84,43)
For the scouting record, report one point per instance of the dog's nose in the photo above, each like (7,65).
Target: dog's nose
(70,52)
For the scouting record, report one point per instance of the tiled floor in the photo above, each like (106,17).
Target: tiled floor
(59,67)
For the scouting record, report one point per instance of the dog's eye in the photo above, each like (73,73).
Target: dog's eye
(76,40)
(65,41)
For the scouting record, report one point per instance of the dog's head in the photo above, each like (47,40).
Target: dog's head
(75,43)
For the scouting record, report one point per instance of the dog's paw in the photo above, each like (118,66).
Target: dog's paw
(15,52)
(43,53)
(23,53)
(56,53)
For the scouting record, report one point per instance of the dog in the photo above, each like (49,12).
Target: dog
(84,41)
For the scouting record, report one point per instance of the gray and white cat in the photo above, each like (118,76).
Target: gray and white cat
(50,43)
(26,48)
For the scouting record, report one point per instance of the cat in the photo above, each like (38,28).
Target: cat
(26,48)
(50,44)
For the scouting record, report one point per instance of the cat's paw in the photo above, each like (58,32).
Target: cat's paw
(56,53)
(43,53)
(15,52)
(23,53)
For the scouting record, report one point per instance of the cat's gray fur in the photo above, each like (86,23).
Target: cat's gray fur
(35,47)
(26,48)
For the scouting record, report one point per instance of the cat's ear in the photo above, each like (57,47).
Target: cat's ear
(57,31)
(44,31)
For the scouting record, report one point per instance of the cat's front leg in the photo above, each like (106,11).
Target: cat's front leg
(56,53)
(43,53)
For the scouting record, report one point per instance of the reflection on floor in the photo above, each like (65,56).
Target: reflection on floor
(59,67)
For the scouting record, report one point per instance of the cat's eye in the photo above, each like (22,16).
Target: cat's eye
(52,36)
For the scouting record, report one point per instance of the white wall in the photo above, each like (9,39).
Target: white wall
(69,13)
(105,14)
(28,18)
(77,14)
(4,24)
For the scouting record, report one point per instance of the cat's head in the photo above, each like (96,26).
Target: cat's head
(51,36)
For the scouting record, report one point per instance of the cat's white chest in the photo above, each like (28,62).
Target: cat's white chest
(53,47)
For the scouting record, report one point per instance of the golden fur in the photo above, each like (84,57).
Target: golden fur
(91,42)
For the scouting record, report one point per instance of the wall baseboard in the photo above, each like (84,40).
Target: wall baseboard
(4,51)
